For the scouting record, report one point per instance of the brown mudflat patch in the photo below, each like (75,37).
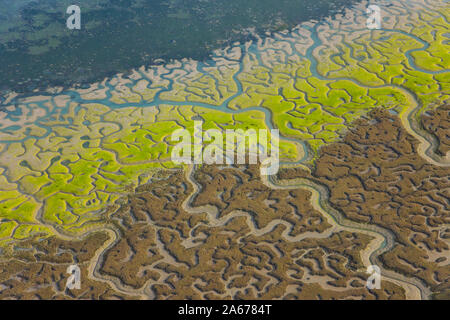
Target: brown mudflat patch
(235,239)
(437,122)
(38,270)
(374,175)
(223,234)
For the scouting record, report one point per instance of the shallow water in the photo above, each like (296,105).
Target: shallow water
(38,51)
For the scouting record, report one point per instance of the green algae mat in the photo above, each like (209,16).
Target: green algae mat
(68,156)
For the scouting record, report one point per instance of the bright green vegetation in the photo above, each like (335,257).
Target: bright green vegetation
(65,171)
(80,169)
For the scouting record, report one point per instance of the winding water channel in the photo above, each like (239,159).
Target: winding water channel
(384,240)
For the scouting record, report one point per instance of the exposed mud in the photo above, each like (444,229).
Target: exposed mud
(38,270)
(232,237)
(225,233)
(375,176)
(437,122)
